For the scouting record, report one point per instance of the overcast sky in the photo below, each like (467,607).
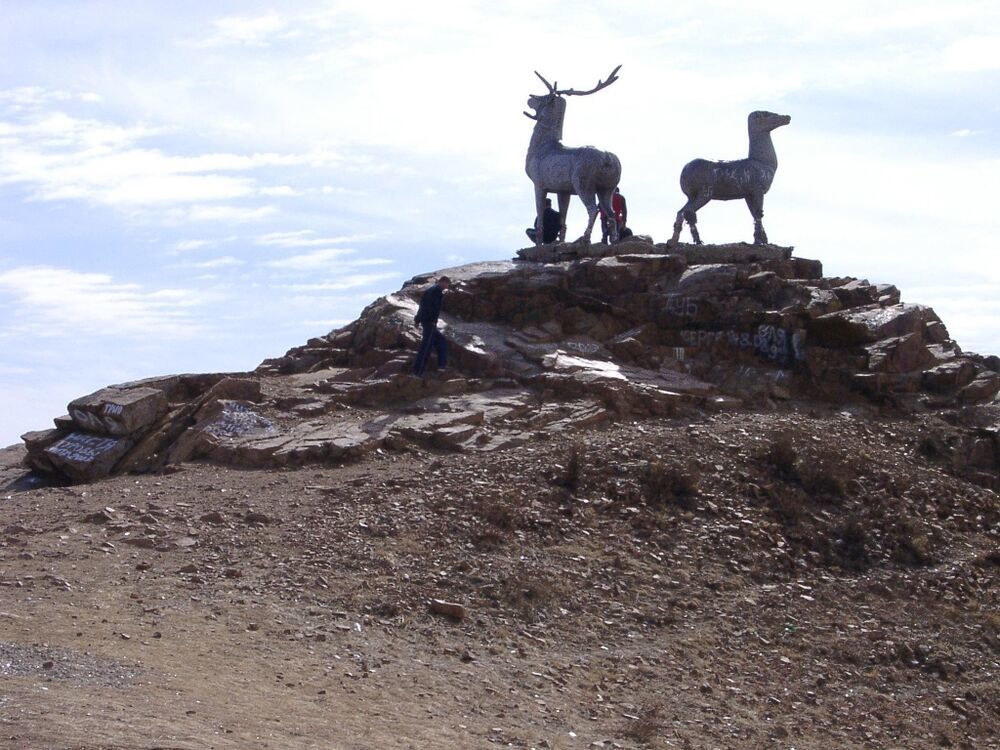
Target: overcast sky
(194,186)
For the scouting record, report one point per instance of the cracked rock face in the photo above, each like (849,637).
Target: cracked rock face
(570,336)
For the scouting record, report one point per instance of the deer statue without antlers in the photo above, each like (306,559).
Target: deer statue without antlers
(703,181)
(553,168)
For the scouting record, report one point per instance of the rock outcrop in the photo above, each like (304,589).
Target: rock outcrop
(567,335)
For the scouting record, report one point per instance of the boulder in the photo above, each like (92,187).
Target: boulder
(983,388)
(899,354)
(35,444)
(739,252)
(118,411)
(853,327)
(949,376)
(84,457)
(705,279)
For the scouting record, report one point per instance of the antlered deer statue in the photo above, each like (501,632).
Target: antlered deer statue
(585,171)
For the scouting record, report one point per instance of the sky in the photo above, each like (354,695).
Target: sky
(195,187)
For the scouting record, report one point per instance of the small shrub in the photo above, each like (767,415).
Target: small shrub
(667,485)
(782,455)
(487,540)
(826,477)
(647,726)
(500,512)
(910,545)
(570,474)
(852,545)
(932,446)
(531,591)
(787,502)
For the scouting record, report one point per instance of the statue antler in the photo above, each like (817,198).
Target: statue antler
(600,85)
(549,86)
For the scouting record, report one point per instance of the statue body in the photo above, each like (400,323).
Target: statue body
(703,180)
(585,171)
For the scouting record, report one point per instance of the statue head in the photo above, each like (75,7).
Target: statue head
(547,107)
(764,122)
(551,107)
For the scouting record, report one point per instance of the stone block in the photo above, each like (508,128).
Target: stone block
(856,293)
(949,376)
(704,279)
(899,354)
(114,411)
(35,444)
(85,457)
(983,388)
(738,252)
(867,325)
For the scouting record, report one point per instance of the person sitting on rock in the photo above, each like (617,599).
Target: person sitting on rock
(620,208)
(551,224)
(427,318)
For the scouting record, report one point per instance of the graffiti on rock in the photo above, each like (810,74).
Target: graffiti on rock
(239,419)
(682,307)
(777,344)
(771,342)
(83,448)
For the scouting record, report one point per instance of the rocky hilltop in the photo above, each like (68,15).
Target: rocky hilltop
(564,336)
(667,498)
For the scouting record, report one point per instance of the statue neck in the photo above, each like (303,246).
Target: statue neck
(546,131)
(762,149)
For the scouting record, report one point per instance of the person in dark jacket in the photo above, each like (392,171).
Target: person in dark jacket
(551,224)
(427,318)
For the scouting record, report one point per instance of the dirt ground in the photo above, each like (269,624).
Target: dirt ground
(809,579)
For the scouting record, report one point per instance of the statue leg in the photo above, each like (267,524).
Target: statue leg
(609,226)
(563,210)
(689,213)
(678,225)
(540,195)
(692,220)
(591,204)
(756,205)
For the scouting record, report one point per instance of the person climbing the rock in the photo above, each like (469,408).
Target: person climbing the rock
(620,209)
(551,224)
(427,318)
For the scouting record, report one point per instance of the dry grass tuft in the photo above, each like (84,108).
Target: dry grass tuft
(648,725)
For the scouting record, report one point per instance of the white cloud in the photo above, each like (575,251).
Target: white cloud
(305,238)
(249,30)
(344,283)
(226,214)
(185,245)
(317,259)
(332,324)
(226,261)
(973,54)
(280,191)
(62,157)
(59,302)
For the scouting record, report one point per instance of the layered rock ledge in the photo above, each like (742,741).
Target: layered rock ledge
(565,336)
